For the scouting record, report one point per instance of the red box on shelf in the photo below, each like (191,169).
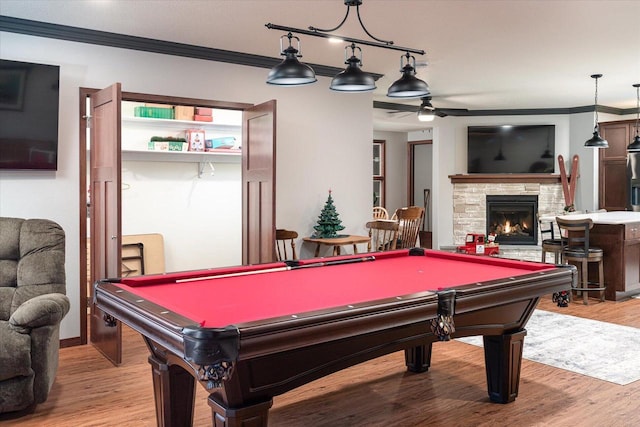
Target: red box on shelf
(204,111)
(201,118)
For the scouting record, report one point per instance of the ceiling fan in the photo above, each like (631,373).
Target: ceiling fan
(427,112)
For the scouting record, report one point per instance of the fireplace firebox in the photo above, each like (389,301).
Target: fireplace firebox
(513,219)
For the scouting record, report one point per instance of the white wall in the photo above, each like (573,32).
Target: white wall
(199,217)
(323,138)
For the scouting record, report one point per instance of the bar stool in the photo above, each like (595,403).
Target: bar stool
(550,245)
(577,251)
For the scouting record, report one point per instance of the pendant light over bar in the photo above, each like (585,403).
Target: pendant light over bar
(635,144)
(596,141)
(408,86)
(352,79)
(290,72)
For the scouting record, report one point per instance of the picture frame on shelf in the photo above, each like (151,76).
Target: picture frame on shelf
(196,139)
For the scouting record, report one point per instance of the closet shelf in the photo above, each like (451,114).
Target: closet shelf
(217,156)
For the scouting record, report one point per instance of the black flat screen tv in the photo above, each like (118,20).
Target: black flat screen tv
(29,100)
(511,149)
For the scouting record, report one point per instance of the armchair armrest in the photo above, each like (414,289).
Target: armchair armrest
(43,310)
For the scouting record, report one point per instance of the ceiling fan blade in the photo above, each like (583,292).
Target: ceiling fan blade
(398,112)
(444,112)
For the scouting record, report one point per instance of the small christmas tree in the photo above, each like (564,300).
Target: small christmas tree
(328,222)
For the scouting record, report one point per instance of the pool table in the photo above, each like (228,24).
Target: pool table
(250,333)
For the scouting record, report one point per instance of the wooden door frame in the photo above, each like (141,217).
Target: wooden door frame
(410,165)
(85,294)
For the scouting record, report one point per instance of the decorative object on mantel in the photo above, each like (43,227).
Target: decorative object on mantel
(329,222)
(635,144)
(290,72)
(569,183)
(596,141)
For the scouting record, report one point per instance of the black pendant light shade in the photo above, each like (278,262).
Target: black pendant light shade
(596,141)
(291,72)
(353,79)
(635,143)
(408,86)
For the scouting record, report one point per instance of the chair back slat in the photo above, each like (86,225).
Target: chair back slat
(383,234)
(410,221)
(286,245)
(380,213)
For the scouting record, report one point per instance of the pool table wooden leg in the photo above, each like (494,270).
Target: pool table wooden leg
(247,416)
(418,359)
(502,359)
(174,392)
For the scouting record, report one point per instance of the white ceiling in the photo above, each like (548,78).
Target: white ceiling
(481,54)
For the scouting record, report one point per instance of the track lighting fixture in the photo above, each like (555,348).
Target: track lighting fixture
(596,141)
(291,72)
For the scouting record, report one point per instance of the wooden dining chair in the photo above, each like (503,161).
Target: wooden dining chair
(286,244)
(409,223)
(383,235)
(380,213)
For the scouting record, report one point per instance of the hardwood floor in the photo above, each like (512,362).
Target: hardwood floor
(89,391)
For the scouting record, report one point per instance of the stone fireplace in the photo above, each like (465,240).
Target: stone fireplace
(470,205)
(512,218)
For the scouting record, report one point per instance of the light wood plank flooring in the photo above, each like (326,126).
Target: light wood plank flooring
(89,391)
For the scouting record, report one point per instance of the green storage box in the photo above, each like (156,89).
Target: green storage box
(154,112)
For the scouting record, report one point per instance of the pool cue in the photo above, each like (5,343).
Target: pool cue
(294,266)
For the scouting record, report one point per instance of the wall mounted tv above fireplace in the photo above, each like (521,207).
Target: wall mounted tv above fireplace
(29,115)
(511,149)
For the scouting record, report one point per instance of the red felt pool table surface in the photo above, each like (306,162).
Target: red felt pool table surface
(258,295)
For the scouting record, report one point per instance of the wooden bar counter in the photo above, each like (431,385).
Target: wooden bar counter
(618,234)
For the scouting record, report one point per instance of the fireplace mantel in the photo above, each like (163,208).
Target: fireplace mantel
(500,178)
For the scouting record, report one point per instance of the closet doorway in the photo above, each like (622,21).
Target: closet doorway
(101,127)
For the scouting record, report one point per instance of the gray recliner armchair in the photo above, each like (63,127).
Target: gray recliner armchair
(32,305)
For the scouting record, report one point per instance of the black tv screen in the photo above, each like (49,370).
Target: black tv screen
(511,149)
(29,102)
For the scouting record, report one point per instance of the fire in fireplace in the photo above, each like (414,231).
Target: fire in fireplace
(513,219)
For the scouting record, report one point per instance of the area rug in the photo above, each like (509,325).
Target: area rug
(598,349)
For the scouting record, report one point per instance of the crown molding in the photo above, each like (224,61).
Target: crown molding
(509,112)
